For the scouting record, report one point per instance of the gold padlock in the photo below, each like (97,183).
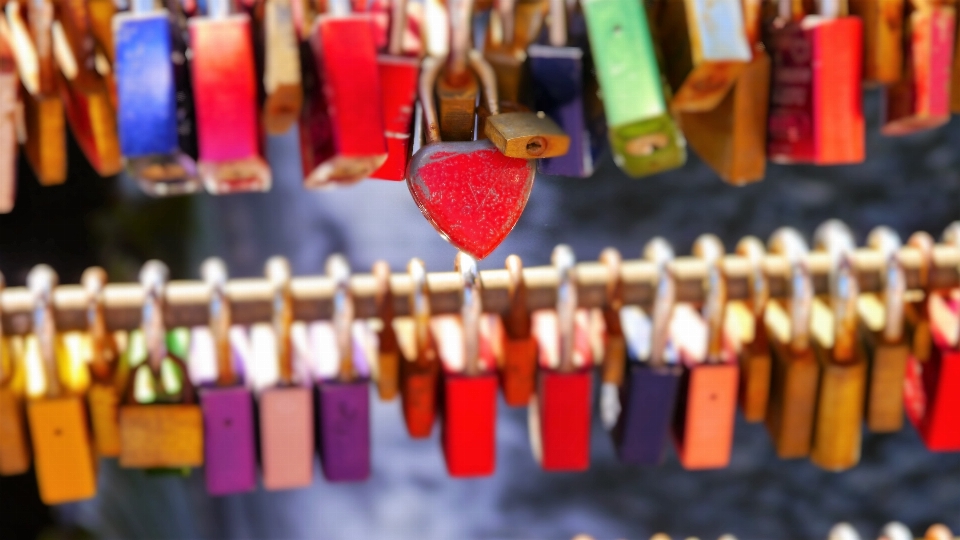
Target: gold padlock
(513,26)
(457,87)
(62,450)
(755,358)
(14,443)
(388,365)
(167,433)
(106,380)
(615,346)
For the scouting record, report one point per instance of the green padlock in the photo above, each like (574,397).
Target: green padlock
(643,135)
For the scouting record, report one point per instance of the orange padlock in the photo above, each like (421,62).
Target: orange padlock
(106,381)
(388,372)
(62,450)
(755,358)
(166,430)
(420,364)
(14,445)
(615,345)
(518,374)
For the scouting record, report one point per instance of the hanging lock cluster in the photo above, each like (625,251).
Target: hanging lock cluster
(815,344)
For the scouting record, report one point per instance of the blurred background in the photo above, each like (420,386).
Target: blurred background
(910,183)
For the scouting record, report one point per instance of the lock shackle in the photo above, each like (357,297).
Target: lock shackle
(787,242)
(279,275)
(938,531)
(887,242)
(834,237)
(923,242)
(790,10)
(895,531)
(384,295)
(660,253)
(153,278)
(214,274)
(25,53)
(430,69)
(843,531)
(832,9)
(557,24)
(460,18)
(344,313)
(709,248)
(420,310)
(752,249)
(565,263)
(398,27)
(611,258)
(103,362)
(506,13)
(221,9)
(517,320)
(41,281)
(752,21)
(4,351)
(188,394)
(471,310)
(143,6)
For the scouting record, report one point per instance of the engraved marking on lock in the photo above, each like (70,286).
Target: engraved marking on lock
(536,146)
(646,145)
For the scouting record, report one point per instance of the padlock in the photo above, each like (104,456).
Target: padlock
(454,183)
(882,39)
(643,136)
(707,395)
(512,29)
(46,145)
(343,386)
(843,367)
(469,429)
(345,57)
(398,80)
(419,363)
(816,105)
(230,451)
(721,76)
(225,97)
(166,432)
(648,395)
(9,88)
(155,120)
(518,374)
(456,87)
(100,14)
(559,73)
(881,330)
(559,412)
(755,357)
(281,67)
(526,135)
(614,344)
(62,451)
(86,99)
(921,98)
(106,379)
(14,442)
(795,373)
(286,417)
(388,361)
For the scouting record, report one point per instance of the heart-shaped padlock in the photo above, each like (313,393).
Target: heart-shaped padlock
(469,191)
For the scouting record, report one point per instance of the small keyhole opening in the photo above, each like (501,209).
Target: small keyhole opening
(646,145)
(617,30)
(536,146)
(228,422)
(57,432)
(713,397)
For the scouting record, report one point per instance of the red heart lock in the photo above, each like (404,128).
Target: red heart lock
(470,192)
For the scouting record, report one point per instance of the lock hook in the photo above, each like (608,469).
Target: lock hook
(104,353)
(153,279)
(787,242)
(41,281)
(517,320)
(565,262)
(470,311)
(660,253)
(709,248)
(214,273)
(338,269)
(420,310)
(834,237)
(886,241)
(279,275)
(751,248)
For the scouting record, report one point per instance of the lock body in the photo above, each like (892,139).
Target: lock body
(63,455)
(921,99)
(793,400)
(756,366)
(225,98)
(560,419)
(887,364)
(346,62)
(388,378)
(837,428)
(286,437)
(526,135)
(705,414)
(230,453)
(882,39)
(816,110)
(46,146)
(93,122)
(14,445)
(457,106)
(469,426)
(398,75)
(343,431)
(932,398)
(161,436)
(418,393)
(104,401)
(648,399)
(150,130)
(643,136)
(470,192)
(558,85)
(518,375)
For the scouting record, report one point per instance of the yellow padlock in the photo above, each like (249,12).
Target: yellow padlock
(103,397)
(14,443)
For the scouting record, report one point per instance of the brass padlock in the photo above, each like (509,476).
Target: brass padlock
(615,345)
(166,432)
(106,380)
(457,87)
(513,26)
(882,39)
(795,371)
(388,363)
(62,450)
(14,443)
(281,67)
(755,358)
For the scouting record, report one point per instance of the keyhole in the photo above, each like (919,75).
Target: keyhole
(57,432)
(227,422)
(616,30)
(536,146)
(713,397)
(646,145)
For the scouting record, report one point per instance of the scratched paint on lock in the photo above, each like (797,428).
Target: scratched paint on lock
(470,192)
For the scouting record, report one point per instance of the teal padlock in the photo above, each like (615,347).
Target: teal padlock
(643,135)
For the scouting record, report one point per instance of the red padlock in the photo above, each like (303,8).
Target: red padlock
(398,77)
(470,381)
(559,419)
(341,132)
(816,106)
